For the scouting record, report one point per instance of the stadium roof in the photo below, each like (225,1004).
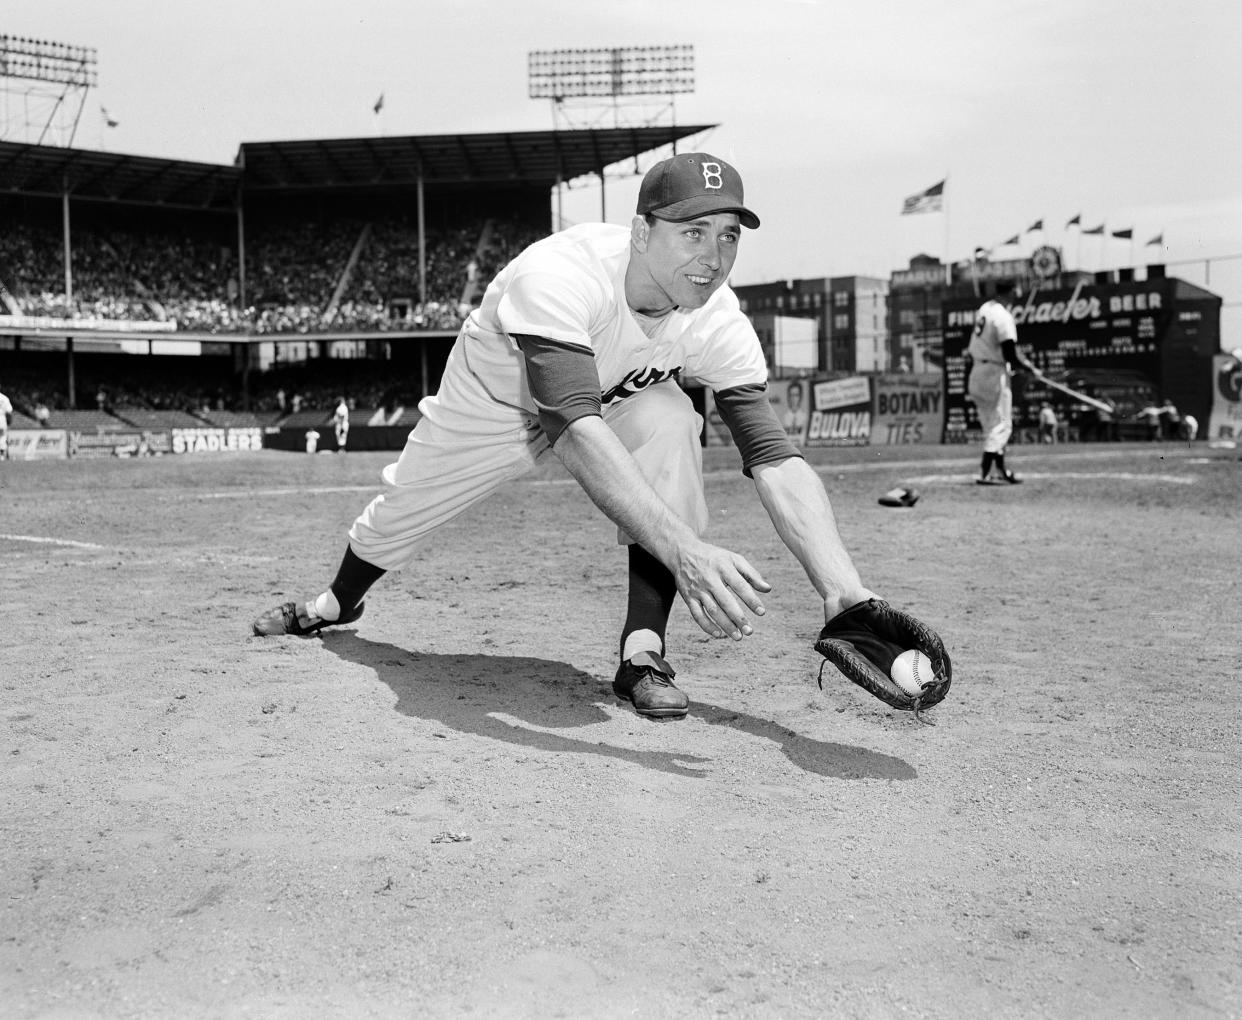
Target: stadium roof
(526,158)
(522,158)
(46,170)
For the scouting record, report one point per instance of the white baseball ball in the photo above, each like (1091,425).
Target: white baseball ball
(911,671)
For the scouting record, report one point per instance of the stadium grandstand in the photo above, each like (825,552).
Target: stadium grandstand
(143,294)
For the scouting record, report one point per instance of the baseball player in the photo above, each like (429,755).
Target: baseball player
(993,355)
(6,416)
(340,424)
(579,346)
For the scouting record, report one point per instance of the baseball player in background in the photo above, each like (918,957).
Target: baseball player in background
(579,346)
(6,416)
(993,356)
(340,424)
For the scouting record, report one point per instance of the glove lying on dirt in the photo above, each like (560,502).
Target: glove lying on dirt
(863,641)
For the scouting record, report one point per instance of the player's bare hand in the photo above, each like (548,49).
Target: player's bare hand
(720,588)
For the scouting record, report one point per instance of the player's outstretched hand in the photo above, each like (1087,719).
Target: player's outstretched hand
(719,587)
(863,641)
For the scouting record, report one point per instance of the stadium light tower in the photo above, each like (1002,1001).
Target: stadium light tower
(633,83)
(43,88)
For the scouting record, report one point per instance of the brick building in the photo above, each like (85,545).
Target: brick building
(850,312)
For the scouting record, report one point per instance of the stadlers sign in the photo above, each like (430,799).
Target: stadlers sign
(216,440)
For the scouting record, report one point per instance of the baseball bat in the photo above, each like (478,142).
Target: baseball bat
(1099,405)
(1081,397)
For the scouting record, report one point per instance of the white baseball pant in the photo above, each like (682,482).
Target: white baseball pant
(989,388)
(467,445)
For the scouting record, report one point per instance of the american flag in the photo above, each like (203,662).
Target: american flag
(931,200)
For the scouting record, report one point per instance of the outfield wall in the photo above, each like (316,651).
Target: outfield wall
(851,410)
(898,409)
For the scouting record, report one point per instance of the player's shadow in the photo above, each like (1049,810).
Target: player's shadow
(469,693)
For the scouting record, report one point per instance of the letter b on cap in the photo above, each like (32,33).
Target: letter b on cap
(713,176)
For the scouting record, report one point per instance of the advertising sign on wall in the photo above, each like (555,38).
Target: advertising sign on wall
(1225,421)
(840,413)
(216,440)
(100,444)
(789,400)
(38,444)
(1099,332)
(909,408)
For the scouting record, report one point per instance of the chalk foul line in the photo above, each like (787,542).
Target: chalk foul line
(44,540)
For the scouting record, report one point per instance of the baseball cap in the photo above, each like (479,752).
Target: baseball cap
(693,184)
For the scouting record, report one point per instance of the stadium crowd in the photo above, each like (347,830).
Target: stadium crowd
(301,277)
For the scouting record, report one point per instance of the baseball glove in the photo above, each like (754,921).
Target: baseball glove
(863,641)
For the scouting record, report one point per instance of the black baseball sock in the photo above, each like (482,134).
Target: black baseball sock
(652,590)
(986,465)
(353,579)
(999,460)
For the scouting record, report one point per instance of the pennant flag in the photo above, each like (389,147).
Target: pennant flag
(1125,235)
(1158,239)
(931,200)
(1095,230)
(379,103)
(1037,225)
(1075,222)
(108,118)
(1012,240)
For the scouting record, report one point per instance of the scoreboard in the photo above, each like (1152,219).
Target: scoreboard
(1130,341)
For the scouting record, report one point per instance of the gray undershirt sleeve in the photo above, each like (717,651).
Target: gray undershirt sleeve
(756,430)
(564,382)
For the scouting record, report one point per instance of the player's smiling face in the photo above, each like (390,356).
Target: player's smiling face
(680,264)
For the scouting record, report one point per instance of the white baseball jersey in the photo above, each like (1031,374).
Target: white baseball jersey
(993,326)
(570,287)
(340,418)
(6,408)
(481,429)
(989,385)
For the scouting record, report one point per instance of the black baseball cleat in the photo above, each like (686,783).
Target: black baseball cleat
(986,481)
(300,619)
(646,681)
(1011,478)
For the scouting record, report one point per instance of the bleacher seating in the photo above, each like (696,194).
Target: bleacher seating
(238,419)
(306,419)
(159,421)
(408,418)
(87,421)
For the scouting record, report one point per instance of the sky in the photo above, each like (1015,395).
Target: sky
(1125,112)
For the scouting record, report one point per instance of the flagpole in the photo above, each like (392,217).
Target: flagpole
(378,107)
(948,266)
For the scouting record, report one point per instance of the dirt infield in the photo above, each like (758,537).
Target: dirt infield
(442,811)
